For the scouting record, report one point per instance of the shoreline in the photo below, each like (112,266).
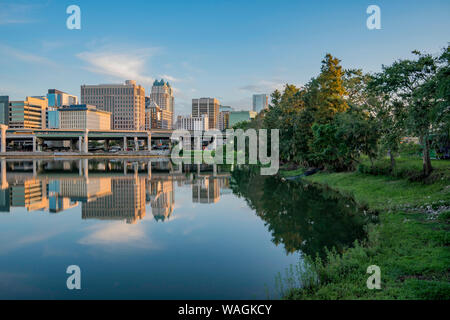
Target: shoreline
(409,243)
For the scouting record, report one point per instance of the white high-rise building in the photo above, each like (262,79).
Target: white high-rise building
(193,123)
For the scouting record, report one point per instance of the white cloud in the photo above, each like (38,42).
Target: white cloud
(129,65)
(118,233)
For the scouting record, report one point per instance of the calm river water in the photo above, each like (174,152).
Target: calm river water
(150,230)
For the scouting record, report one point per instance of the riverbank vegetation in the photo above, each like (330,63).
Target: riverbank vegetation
(373,136)
(409,243)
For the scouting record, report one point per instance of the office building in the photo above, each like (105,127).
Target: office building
(4,110)
(240,116)
(84,116)
(125,102)
(260,102)
(162,95)
(193,123)
(157,118)
(208,106)
(28,114)
(52,120)
(57,98)
(224,120)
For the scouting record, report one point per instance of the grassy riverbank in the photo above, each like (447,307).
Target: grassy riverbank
(410,243)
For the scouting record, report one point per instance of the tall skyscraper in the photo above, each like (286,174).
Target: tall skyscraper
(126,102)
(209,106)
(162,95)
(260,102)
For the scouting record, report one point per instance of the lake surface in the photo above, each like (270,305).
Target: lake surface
(151,230)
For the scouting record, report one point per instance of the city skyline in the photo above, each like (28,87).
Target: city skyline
(174,50)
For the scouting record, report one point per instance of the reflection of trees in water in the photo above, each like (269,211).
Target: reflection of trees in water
(301,216)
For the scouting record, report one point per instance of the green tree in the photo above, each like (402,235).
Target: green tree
(338,145)
(331,93)
(412,87)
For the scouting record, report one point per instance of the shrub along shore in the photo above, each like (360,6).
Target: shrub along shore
(409,243)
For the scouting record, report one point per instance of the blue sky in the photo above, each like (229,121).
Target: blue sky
(223,49)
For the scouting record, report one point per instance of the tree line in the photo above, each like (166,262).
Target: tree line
(344,113)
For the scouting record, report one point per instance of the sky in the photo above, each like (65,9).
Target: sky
(229,50)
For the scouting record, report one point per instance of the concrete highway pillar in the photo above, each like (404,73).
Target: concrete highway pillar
(34,168)
(80,144)
(136,144)
(149,142)
(214,170)
(3,138)
(4,182)
(125,145)
(34,144)
(80,167)
(125,167)
(86,141)
(107,144)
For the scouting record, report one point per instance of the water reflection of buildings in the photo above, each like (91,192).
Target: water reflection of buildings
(126,201)
(160,195)
(205,190)
(30,194)
(106,190)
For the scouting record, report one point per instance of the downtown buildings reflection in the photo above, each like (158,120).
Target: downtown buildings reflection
(106,189)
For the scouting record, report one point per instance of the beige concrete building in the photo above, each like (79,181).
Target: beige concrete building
(125,102)
(208,106)
(84,117)
(28,114)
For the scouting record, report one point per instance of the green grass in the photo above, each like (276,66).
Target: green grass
(411,249)
(384,192)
